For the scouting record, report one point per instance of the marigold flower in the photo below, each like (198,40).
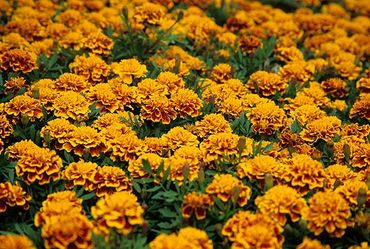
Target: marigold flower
(281,201)
(363,85)
(363,245)
(70,17)
(73,40)
(211,124)
(158,109)
(80,173)
(171,80)
(220,145)
(221,73)
(148,87)
(330,212)
(266,83)
(17,150)
(13,195)
(39,165)
(6,128)
(296,72)
(179,167)
(109,179)
(92,68)
(226,187)
(266,118)
(71,105)
(178,137)
(196,203)
(361,107)
(312,244)
(336,87)
(71,82)
(350,191)
(348,69)
(98,43)
(126,147)
(136,167)
(303,173)
(186,102)
(148,14)
(15,241)
(129,69)
(104,98)
(338,172)
(120,211)
(325,128)
(288,54)
(23,105)
(14,84)
(1,146)
(58,131)
(307,113)
(18,60)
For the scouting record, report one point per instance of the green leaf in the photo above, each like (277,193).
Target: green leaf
(88,196)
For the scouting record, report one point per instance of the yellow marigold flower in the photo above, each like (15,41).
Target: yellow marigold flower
(220,145)
(71,105)
(148,87)
(338,172)
(71,82)
(84,139)
(281,201)
(58,131)
(155,145)
(348,69)
(307,113)
(218,93)
(239,222)
(19,149)
(98,43)
(171,80)
(178,137)
(267,118)
(179,167)
(249,43)
(211,124)
(221,73)
(148,14)
(186,102)
(169,241)
(73,40)
(226,187)
(23,105)
(126,95)
(335,87)
(330,212)
(196,203)
(266,83)
(108,119)
(158,109)
(120,211)
(363,85)
(312,244)
(109,179)
(14,84)
(18,60)
(136,168)
(39,165)
(92,68)
(13,241)
(350,191)
(360,155)
(304,173)
(296,72)
(126,147)
(13,195)
(325,128)
(70,17)
(104,98)
(289,54)
(80,173)
(363,245)
(361,107)
(129,69)
(6,128)
(76,232)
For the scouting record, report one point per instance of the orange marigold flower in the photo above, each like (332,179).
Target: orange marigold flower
(15,241)
(178,137)
(73,40)
(98,43)
(155,145)
(13,195)
(196,203)
(220,145)
(148,87)
(71,82)
(307,113)
(39,165)
(303,173)
(221,73)
(267,118)
(58,131)
(18,60)
(6,128)
(80,173)
(23,105)
(360,155)
(17,150)
(186,102)
(266,83)
(125,147)
(179,167)
(347,69)
(104,98)
(363,85)
(71,105)
(84,139)
(136,167)
(363,245)
(249,43)
(109,179)
(129,69)
(338,172)
(361,108)
(330,212)
(148,14)
(350,191)
(281,201)
(232,106)
(335,87)
(92,68)
(171,80)
(226,187)
(325,128)
(14,84)
(158,109)
(120,211)
(288,54)
(312,244)
(211,124)
(296,72)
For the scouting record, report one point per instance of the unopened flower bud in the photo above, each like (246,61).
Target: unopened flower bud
(269,181)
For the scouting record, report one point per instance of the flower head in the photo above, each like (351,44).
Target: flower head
(71,105)
(158,109)
(18,60)
(325,128)
(186,102)
(197,204)
(219,145)
(15,241)
(129,69)
(266,83)
(13,195)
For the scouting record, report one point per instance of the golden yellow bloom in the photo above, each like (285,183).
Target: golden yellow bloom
(125,147)
(92,68)
(266,118)
(330,212)
(186,102)
(196,203)
(104,98)
(325,128)
(281,201)
(14,84)
(129,69)
(226,187)
(13,195)
(220,146)
(181,166)
(71,82)
(307,113)
(120,211)
(361,107)
(338,172)
(296,72)
(169,241)
(23,105)
(312,244)
(171,80)
(58,131)
(13,241)
(136,168)
(71,105)
(148,14)
(155,145)
(18,60)
(39,165)
(84,139)
(363,85)
(98,43)
(249,43)
(178,137)
(211,124)
(73,40)
(70,17)
(363,245)
(19,149)
(6,129)
(350,191)
(158,109)
(348,69)
(266,83)
(148,87)
(288,54)
(221,73)
(80,173)
(336,87)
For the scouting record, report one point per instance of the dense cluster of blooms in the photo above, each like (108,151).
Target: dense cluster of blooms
(170,124)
